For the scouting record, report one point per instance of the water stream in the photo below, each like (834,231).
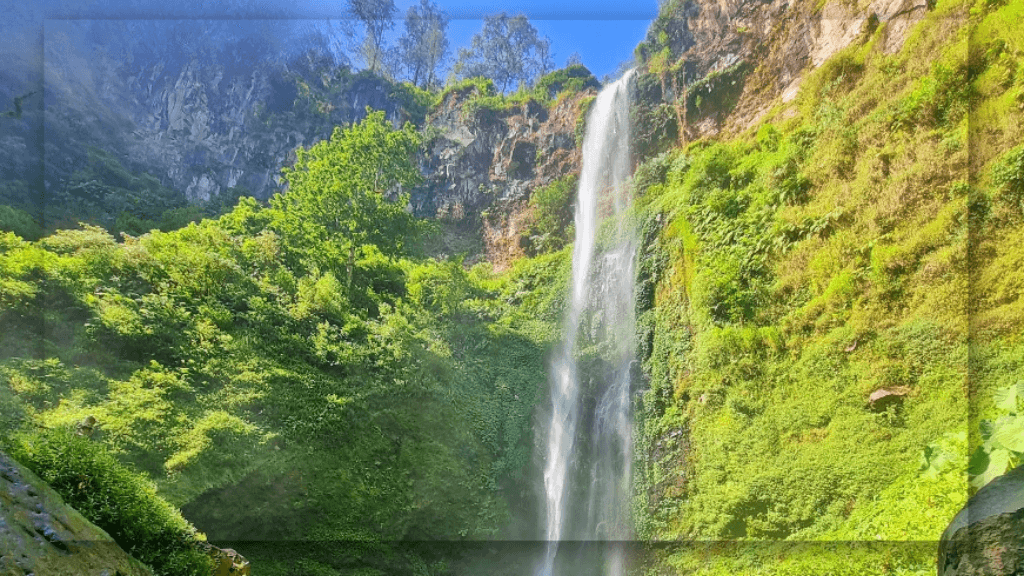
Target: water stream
(589,437)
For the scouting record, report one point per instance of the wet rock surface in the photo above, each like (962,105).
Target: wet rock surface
(40,535)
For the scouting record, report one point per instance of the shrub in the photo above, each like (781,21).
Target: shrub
(1008,176)
(19,222)
(553,214)
(575,78)
(118,500)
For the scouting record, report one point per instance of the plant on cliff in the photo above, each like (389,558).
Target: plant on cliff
(573,78)
(552,215)
(818,256)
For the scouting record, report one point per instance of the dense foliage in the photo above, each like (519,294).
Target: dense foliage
(233,363)
(298,372)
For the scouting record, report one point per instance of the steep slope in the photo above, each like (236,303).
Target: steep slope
(820,285)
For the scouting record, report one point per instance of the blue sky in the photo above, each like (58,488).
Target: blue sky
(603,32)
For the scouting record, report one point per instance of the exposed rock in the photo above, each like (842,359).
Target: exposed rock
(487,162)
(41,535)
(986,538)
(880,400)
(226,562)
(784,38)
(199,123)
(86,427)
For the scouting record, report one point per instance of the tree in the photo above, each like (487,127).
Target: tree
(377,16)
(336,199)
(508,50)
(424,47)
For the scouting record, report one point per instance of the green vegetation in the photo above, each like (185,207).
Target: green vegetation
(550,89)
(20,222)
(1002,439)
(121,502)
(552,222)
(102,191)
(571,79)
(817,258)
(289,372)
(298,371)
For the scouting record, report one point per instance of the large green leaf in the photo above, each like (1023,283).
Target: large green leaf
(1007,398)
(935,459)
(1009,433)
(984,467)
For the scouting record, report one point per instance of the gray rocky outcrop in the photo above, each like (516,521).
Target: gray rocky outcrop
(986,538)
(42,536)
(201,125)
(481,165)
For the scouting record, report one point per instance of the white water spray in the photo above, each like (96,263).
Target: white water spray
(587,472)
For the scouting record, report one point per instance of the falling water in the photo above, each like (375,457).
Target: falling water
(589,442)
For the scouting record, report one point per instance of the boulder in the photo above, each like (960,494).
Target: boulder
(883,398)
(986,538)
(41,535)
(226,562)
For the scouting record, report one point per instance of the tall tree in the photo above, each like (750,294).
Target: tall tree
(424,47)
(336,200)
(377,17)
(508,50)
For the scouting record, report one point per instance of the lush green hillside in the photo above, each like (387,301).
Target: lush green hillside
(857,239)
(292,372)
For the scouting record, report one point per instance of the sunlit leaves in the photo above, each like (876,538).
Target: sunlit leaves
(1002,439)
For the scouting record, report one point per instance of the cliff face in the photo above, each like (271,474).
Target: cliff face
(481,164)
(220,123)
(202,124)
(736,57)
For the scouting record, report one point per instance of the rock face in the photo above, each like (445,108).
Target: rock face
(225,117)
(986,538)
(481,165)
(201,123)
(767,45)
(41,535)
(226,562)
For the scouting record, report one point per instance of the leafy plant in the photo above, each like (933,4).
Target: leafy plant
(1002,446)
(552,214)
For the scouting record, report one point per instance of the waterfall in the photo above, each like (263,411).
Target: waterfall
(589,438)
